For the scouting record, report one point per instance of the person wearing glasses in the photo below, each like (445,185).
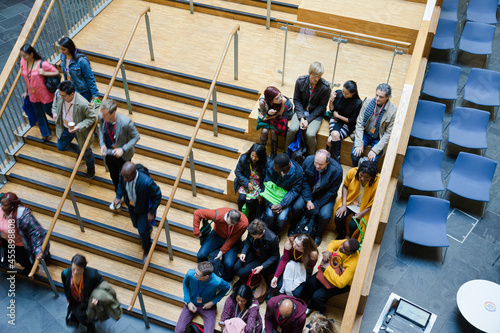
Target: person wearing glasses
(285,314)
(333,277)
(202,291)
(228,227)
(286,175)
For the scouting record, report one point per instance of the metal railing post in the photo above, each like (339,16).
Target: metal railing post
(268,15)
(125,87)
(339,41)
(193,178)
(396,51)
(143,310)
(51,282)
(150,39)
(191,7)
(63,18)
(282,71)
(236,55)
(90,9)
(169,241)
(214,111)
(77,212)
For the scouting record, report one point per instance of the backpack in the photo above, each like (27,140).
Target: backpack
(218,264)
(51,82)
(306,225)
(142,168)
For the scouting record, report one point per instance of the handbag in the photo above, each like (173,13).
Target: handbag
(334,263)
(206,228)
(51,82)
(217,263)
(307,224)
(297,150)
(194,328)
(259,286)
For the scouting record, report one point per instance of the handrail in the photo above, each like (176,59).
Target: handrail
(37,35)
(388,178)
(344,33)
(87,142)
(183,165)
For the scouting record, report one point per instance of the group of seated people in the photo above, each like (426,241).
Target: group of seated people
(370,120)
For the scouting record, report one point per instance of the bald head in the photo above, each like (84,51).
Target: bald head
(129,171)
(321,159)
(286,308)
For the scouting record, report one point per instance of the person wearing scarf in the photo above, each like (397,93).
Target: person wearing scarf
(374,125)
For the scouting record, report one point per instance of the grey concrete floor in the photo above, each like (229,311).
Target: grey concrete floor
(417,274)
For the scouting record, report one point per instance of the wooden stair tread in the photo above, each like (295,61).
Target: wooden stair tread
(178,107)
(104,195)
(155,166)
(224,140)
(189,89)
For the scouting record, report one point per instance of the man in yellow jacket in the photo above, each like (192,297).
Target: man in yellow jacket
(329,280)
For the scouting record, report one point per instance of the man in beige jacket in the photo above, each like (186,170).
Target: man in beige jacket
(374,125)
(74,117)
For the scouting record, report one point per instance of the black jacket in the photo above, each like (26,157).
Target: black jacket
(269,246)
(319,98)
(347,107)
(142,201)
(242,173)
(91,279)
(331,178)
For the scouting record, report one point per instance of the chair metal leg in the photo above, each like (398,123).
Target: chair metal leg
(443,256)
(494,262)
(397,236)
(444,194)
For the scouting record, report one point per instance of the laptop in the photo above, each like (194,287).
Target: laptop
(407,318)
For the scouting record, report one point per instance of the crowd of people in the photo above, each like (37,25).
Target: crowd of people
(275,193)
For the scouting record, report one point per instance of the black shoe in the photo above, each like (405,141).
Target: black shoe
(144,256)
(317,240)
(340,236)
(90,173)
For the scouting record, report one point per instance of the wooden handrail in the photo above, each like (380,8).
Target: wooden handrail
(388,178)
(381,40)
(181,168)
(87,142)
(23,37)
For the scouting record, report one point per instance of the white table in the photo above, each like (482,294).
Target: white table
(479,303)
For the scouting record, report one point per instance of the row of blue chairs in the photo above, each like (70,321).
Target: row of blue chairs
(467,126)
(483,11)
(482,86)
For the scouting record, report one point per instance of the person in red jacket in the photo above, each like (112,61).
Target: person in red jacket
(285,314)
(228,227)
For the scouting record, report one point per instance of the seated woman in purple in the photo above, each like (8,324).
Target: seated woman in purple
(241,304)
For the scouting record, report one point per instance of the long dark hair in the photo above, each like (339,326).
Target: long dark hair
(260,150)
(28,49)
(352,87)
(244,292)
(307,243)
(68,43)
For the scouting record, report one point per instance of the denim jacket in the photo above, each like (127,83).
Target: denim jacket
(80,74)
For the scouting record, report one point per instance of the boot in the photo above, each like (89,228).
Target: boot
(264,143)
(336,145)
(274,148)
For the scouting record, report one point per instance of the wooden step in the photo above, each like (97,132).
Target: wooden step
(174,90)
(164,73)
(232,10)
(154,148)
(179,221)
(179,112)
(101,197)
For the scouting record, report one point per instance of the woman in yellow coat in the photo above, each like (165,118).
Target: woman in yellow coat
(358,193)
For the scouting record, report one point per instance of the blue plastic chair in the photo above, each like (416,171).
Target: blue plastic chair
(483,88)
(444,38)
(428,121)
(421,169)
(471,177)
(484,11)
(424,222)
(441,81)
(468,128)
(449,10)
(477,38)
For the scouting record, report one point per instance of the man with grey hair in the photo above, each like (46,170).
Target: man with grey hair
(117,137)
(374,125)
(321,182)
(310,99)
(228,227)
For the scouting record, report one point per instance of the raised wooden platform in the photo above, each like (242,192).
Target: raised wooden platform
(393,19)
